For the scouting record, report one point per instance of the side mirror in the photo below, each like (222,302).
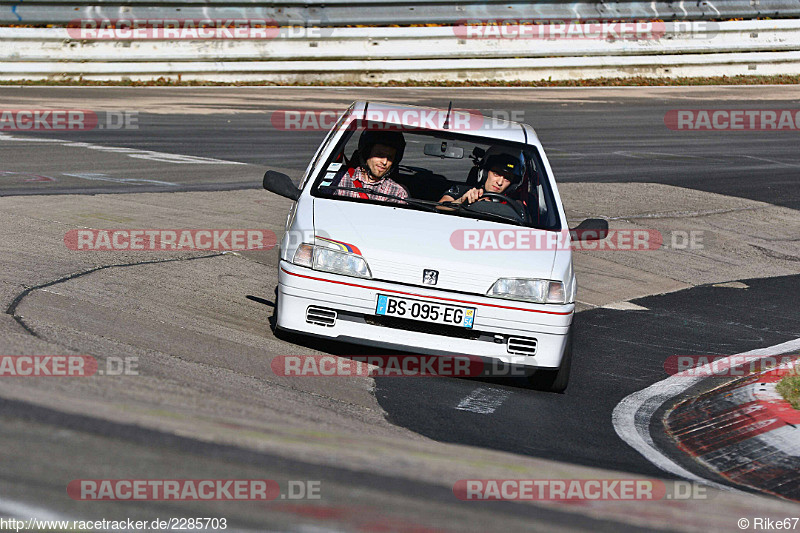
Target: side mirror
(591,229)
(281,184)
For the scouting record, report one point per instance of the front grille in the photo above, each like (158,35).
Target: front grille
(422,327)
(521,346)
(320,316)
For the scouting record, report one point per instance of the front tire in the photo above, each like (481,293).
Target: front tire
(555,380)
(281,334)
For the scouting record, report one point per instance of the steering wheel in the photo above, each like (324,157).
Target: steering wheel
(487,194)
(513,204)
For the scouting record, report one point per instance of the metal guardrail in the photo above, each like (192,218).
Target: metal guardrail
(415,53)
(370,44)
(391,12)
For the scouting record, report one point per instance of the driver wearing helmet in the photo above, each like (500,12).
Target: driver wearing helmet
(379,153)
(501,173)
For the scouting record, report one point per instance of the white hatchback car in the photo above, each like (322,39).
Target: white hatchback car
(397,240)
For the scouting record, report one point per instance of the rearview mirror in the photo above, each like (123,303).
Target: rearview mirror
(591,229)
(444,151)
(281,184)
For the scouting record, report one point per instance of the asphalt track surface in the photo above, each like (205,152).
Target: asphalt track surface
(616,353)
(589,140)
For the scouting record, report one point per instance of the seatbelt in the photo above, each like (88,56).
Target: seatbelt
(357,183)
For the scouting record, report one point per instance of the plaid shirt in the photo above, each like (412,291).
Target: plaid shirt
(384,185)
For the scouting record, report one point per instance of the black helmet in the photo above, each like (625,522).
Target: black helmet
(370,138)
(509,164)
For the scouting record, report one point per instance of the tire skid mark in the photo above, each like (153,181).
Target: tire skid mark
(12,307)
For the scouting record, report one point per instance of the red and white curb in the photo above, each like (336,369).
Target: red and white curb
(633,415)
(745,431)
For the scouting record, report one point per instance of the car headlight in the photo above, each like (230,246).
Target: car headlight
(334,261)
(541,291)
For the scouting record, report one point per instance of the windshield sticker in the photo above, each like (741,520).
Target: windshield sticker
(328,179)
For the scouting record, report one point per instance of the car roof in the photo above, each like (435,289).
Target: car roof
(465,121)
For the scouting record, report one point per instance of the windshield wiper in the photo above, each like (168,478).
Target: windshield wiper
(465,208)
(518,220)
(430,204)
(411,201)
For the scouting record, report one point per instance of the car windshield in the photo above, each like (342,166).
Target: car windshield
(440,165)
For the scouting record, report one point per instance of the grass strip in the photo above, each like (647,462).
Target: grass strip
(637,81)
(789,387)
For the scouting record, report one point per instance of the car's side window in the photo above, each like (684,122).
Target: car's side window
(324,146)
(540,202)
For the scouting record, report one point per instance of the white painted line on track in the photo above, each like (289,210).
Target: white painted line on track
(731,285)
(625,306)
(791,165)
(484,401)
(135,153)
(663,156)
(632,416)
(97,176)
(23,511)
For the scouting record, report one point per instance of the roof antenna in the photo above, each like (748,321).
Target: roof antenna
(446,125)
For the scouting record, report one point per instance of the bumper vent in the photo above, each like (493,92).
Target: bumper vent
(521,346)
(320,316)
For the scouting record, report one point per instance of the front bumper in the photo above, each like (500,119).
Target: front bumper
(355,301)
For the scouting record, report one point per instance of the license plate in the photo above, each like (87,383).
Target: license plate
(451,315)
